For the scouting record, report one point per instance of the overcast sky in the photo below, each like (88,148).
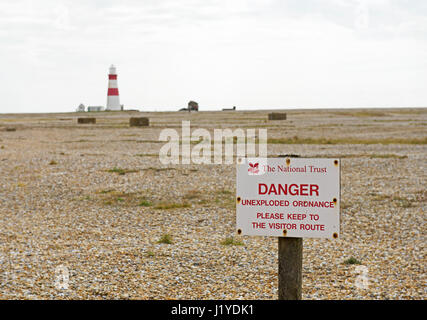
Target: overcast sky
(245,53)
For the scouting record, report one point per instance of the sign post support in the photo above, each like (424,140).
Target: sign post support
(290,268)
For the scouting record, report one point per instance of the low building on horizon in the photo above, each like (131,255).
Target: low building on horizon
(95,108)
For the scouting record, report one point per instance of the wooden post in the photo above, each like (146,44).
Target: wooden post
(290,268)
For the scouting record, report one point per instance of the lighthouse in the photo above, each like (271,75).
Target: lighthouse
(113,101)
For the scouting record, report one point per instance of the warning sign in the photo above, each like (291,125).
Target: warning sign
(288,197)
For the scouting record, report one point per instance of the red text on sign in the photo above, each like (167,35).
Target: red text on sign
(292,189)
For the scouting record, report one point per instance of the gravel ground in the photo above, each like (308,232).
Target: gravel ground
(91,202)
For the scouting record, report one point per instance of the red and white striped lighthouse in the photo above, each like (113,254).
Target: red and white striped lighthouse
(113,101)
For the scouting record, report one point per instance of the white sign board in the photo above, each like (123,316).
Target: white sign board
(292,197)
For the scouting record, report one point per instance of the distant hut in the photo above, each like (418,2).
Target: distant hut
(193,106)
(81,108)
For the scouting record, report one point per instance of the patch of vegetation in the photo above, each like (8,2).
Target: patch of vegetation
(130,135)
(146,155)
(197,197)
(112,197)
(145,203)
(172,205)
(106,191)
(352,260)
(81,140)
(412,111)
(150,141)
(166,239)
(232,242)
(136,141)
(149,254)
(386,141)
(364,155)
(387,156)
(224,191)
(368,113)
(225,199)
(298,140)
(121,171)
(192,194)
(159,169)
(53,163)
(379,197)
(403,202)
(162,169)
